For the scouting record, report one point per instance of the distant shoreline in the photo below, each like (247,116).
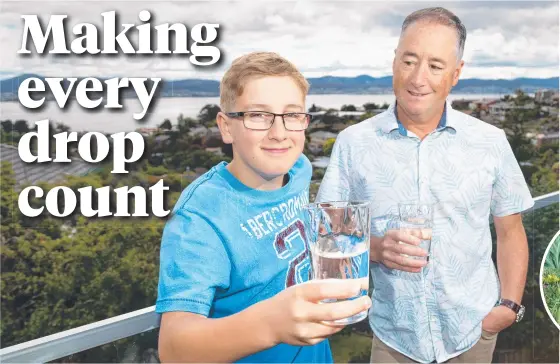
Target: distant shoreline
(326,85)
(389,93)
(117,120)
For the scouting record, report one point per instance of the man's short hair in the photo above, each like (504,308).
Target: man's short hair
(441,16)
(255,65)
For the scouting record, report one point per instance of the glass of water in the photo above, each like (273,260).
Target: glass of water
(339,243)
(416,219)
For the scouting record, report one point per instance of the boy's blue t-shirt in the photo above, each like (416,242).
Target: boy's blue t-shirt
(228,246)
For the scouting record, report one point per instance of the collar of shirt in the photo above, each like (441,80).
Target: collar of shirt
(392,122)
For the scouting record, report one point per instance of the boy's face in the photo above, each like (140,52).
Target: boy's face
(270,153)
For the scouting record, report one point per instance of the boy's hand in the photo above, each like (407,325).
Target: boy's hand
(389,251)
(295,316)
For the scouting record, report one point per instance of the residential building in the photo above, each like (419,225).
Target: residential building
(546,96)
(500,109)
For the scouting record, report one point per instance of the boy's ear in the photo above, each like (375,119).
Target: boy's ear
(224,126)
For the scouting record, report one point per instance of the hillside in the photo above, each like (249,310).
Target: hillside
(322,85)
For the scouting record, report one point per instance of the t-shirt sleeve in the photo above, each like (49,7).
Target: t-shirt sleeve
(510,193)
(193,265)
(335,185)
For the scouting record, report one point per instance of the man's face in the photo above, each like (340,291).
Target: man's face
(425,68)
(267,153)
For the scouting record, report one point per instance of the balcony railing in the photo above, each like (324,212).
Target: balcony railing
(62,344)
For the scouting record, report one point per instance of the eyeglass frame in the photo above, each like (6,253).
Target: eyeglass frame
(241,114)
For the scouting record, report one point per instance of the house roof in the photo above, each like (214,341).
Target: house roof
(32,173)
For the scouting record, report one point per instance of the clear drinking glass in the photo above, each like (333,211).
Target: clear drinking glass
(416,219)
(339,243)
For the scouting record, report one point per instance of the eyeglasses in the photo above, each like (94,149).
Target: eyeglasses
(263,120)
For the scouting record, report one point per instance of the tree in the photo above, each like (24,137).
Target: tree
(166,125)
(328,146)
(540,226)
(7,126)
(208,113)
(348,108)
(522,98)
(515,127)
(315,108)
(369,106)
(331,117)
(21,126)
(185,124)
(318,174)
(60,273)
(365,116)
(545,179)
(60,128)
(102,269)
(9,212)
(213,142)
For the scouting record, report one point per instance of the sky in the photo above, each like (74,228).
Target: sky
(505,39)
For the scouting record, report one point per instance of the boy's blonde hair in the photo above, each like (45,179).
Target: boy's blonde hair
(252,65)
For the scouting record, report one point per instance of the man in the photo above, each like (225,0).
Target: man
(421,150)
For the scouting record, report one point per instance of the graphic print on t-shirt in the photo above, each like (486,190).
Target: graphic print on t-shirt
(276,217)
(290,240)
(282,225)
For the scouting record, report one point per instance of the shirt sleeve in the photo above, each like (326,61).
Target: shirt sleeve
(510,193)
(193,265)
(335,185)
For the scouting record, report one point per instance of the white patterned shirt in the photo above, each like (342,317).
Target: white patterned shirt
(466,167)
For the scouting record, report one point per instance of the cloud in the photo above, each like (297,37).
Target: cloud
(505,39)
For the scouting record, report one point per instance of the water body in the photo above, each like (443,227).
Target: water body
(111,121)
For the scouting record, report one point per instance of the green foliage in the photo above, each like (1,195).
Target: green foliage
(9,212)
(551,279)
(207,115)
(21,126)
(185,124)
(157,170)
(348,108)
(328,146)
(551,289)
(98,269)
(166,124)
(368,106)
(318,174)
(315,108)
(11,138)
(351,347)
(545,178)
(535,333)
(331,117)
(365,116)
(553,258)
(61,273)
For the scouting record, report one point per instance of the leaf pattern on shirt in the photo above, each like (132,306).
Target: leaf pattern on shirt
(468,170)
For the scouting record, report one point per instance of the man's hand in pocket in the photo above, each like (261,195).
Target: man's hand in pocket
(498,319)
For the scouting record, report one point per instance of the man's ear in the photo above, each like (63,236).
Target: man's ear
(224,125)
(457,72)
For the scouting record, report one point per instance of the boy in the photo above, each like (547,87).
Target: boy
(234,256)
